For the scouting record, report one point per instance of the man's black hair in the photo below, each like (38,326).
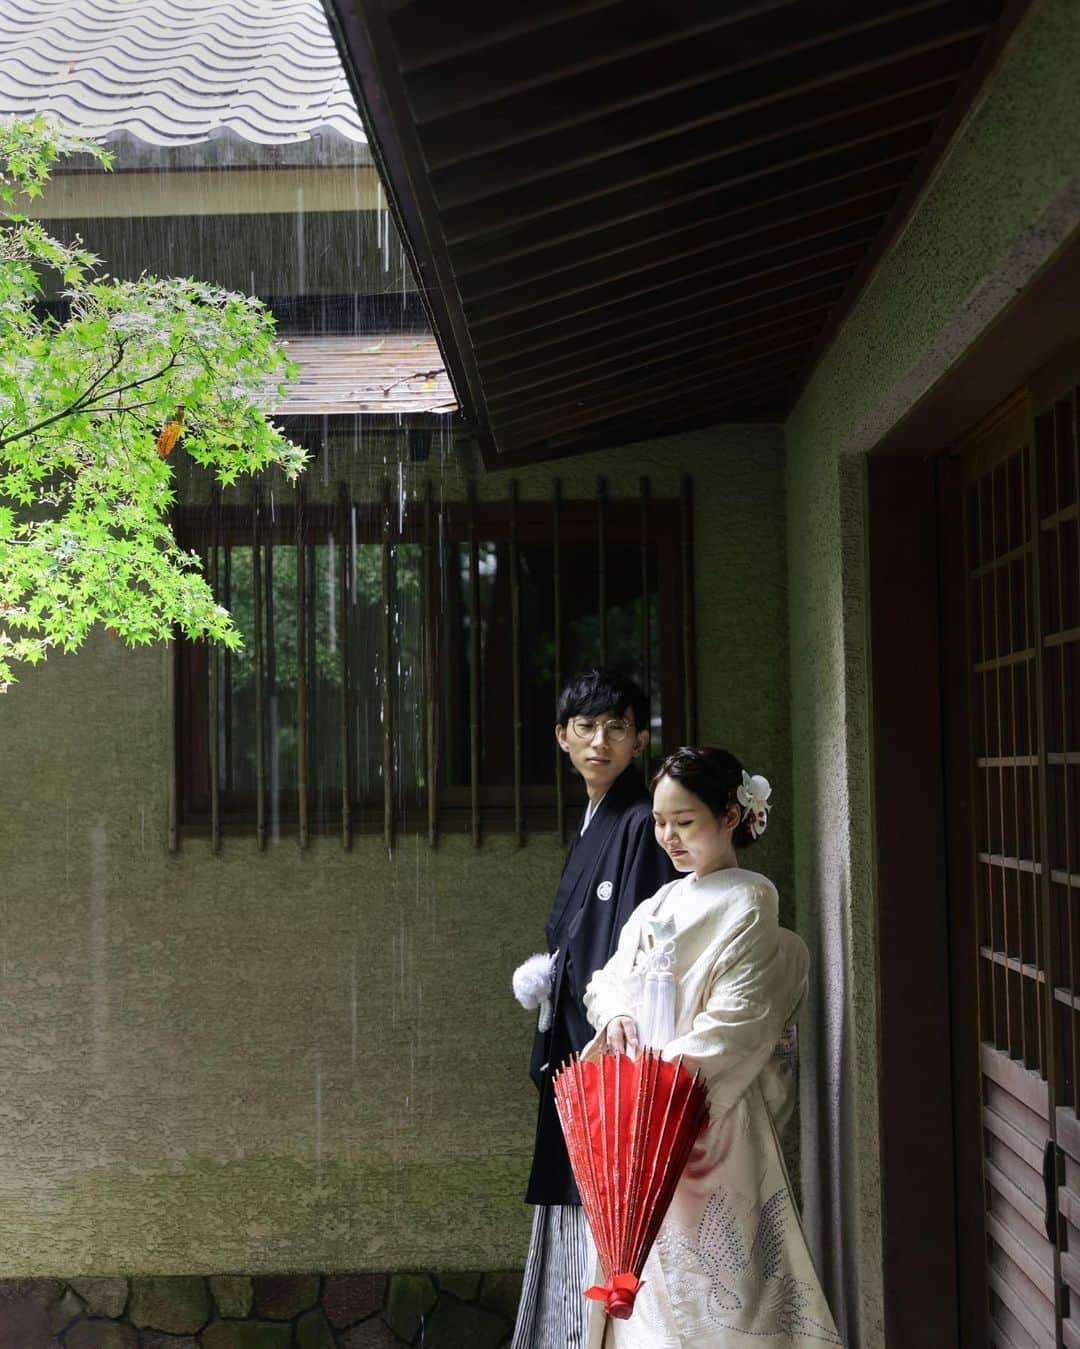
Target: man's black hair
(602,690)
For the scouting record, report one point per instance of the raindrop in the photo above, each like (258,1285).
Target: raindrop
(352,1013)
(318,1119)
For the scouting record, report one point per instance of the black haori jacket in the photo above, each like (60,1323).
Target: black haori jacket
(609,870)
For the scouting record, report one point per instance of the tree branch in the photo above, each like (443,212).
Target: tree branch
(88,393)
(119,409)
(85,400)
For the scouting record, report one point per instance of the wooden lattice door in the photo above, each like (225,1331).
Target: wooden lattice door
(1022,616)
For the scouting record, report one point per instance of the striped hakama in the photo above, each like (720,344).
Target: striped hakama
(559,1267)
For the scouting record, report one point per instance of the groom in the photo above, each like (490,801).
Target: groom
(613,864)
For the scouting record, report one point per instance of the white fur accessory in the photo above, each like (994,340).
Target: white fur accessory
(753,796)
(533,982)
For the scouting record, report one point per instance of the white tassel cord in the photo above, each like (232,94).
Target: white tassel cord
(662,1027)
(658,1009)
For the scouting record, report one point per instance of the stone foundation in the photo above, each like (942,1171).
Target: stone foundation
(295,1311)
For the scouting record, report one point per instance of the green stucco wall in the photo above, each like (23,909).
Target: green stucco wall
(1006,196)
(291,1061)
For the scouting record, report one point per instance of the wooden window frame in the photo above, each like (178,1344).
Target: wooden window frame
(657,528)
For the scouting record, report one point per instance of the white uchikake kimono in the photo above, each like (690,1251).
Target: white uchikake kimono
(730,1266)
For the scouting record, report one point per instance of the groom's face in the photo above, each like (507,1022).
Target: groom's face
(601,745)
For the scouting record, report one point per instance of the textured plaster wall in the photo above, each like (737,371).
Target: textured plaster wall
(293,1060)
(1005,198)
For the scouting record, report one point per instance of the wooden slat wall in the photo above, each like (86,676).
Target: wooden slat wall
(1016,1124)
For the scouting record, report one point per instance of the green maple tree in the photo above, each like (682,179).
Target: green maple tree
(92,405)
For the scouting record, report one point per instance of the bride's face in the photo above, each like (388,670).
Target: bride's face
(692,836)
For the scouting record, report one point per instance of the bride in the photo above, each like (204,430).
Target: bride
(704,971)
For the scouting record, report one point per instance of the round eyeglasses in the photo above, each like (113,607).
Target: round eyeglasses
(616,729)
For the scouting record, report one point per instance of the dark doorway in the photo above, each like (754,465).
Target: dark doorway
(1013,571)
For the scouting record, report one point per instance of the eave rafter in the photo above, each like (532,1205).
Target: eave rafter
(629,218)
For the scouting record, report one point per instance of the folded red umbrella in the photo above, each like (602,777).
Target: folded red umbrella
(629,1125)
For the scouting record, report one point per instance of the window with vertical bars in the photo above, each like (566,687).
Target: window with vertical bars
(402,658)
(1004,718)
(1024,618)
(1022,528)
(1057,471)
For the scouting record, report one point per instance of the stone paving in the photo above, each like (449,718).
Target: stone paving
(293,1311)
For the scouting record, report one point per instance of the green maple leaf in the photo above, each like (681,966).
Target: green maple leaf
(84,534)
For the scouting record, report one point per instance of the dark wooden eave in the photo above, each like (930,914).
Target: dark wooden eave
(630,217)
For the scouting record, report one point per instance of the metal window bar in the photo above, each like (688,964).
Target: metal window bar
(271,683)
(983,972)
(1053,1066)
(646,629)
(987,936)
(172,787)
(1067,755)
(1029,994)
(556,580)
(688,624)
(1049,944)
(1064,439)
(312,667)
(1071,753)
(387,671)
(214,685)
(1063,809)
(344,599)
(432,685)
(1014,993)
(474,670)
(302,803)
(259,658)
(1025,762)
(601,566)
(1028,879)
(227,662)
(515,662)
(172,782)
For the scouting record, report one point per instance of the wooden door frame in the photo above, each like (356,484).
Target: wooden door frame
(930,1093)
(928,1301)
(929,1083)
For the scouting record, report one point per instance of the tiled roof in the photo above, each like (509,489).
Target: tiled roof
(175,73)
(379,373)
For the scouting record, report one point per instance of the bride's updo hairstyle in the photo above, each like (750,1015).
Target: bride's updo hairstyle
(713,776)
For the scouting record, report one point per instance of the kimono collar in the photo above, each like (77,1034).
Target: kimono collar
(590,812)
(627,787)
(711,877)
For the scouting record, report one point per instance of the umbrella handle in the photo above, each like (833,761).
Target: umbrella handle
(617,1295)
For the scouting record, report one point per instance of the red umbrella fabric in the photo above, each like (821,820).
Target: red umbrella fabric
(629,1126)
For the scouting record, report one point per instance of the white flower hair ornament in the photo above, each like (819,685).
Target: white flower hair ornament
(753,795)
